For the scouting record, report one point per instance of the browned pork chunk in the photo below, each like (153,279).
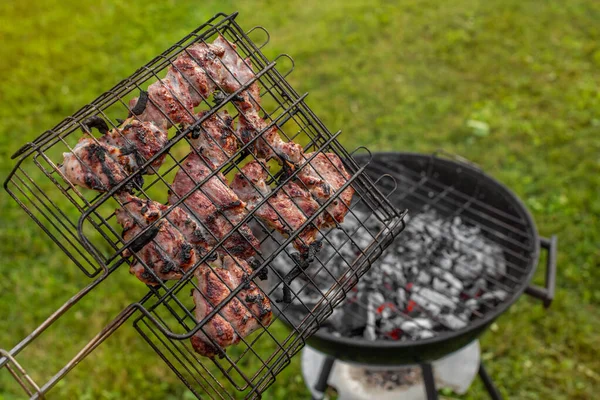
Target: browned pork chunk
(323,177)
(214,204)
(285,211)
(215,138)
(236,319)
(169,249)
(96,165)
(144,138)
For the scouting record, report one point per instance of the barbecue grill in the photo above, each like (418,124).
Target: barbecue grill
(458,194)
(82,223)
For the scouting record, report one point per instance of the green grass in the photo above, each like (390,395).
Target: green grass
(511,85)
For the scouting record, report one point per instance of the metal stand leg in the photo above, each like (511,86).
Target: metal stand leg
(321,385)
(429,382)
(489,384)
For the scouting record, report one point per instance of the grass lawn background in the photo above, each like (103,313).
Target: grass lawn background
(512,85)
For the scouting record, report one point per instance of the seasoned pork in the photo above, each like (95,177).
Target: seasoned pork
(323,177)
(163,248)
(203,69)
(214,204)
(169,102)
(144,138)
(285,211)
(215,138)
(96,165)
(236,319)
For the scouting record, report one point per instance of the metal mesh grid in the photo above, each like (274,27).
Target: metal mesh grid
(83,222)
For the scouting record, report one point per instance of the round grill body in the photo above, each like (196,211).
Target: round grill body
(453,189)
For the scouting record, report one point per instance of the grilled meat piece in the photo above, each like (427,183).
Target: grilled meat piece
(202,66)
(270,144)
(285,211)
(169,102)
(323,177)
(96,165)
(144,138)
(237,71)
(214,204)
(163,248)
(238,318)
(194,75)
(215,138)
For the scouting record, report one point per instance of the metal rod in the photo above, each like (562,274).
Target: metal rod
(57,314)
(488,383)
(321,384)
(92,344)
(429,382)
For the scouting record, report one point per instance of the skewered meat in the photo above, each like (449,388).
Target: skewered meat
(323,177)
(96,165)
(215,138)
(214,204)
(145,138)
(285,211)
(239,317)
(163,248)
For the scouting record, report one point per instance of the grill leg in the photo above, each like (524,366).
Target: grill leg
(489,384)
(321,385)
(429,382)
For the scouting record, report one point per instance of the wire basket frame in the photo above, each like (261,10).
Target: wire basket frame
(83,222)
(20,375)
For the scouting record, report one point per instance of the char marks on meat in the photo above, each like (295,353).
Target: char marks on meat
(96,165)
(239,317)
(285,211)
(269,145)
(214,204)
(237,71)
(169,102)
(324,176)
(203,68)
(144,138)
(215,138)
(168,248)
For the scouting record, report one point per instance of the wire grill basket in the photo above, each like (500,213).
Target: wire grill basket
(83,222)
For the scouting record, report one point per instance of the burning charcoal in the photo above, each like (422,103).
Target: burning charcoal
(389,325)
(436,271)
(446,263)
(467,267)
(478,287)
(410,327)
(386,313)
(499,295)
(431,300)
(401,298)
(472,304)
(374,300)
(452,322)
(424,278)
(426,334)
(424,323)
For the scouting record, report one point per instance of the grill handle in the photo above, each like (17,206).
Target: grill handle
(546,294)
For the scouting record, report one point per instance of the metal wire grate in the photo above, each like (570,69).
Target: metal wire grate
(83,222)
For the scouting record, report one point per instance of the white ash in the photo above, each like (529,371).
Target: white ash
(435,277)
